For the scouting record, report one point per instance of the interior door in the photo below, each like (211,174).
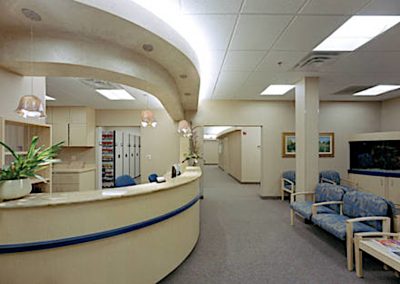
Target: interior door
(137,156)
(118,154)
(132,155)
(125,146)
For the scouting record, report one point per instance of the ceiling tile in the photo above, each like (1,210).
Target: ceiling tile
(337,7)
(217,28)
(382,7)
(210,6)
(258,32)
(242,60)
(273,6)
(306,32)
(288,60)
(229,82)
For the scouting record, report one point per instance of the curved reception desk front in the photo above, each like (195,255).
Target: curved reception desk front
(135,234)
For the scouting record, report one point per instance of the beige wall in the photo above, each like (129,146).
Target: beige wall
(235,154)
(275,117)
(160,145)
(345,119)
(251,150)
(390,115)
(210,152)
(13,87)
(83,154)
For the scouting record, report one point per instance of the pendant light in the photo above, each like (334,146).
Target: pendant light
(184,128)
(147,116)
(31,105)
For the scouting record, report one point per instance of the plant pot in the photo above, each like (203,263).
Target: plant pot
(13,189)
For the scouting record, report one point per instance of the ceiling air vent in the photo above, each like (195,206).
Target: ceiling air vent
(99,84)
(351,90)
(315,60)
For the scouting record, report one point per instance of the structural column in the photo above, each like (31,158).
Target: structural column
(307,134)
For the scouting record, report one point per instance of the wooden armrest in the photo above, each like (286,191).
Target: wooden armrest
(377,234)
(328,181)
(369,218)
(385,222)
(304,193)
(289,181)
(315,205)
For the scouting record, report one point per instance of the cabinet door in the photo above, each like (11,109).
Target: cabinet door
(78,115)
(60,133)
(77,135)
(60,115)
(394,190)
(372,184)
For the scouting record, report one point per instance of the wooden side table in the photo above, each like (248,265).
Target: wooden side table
(366,242)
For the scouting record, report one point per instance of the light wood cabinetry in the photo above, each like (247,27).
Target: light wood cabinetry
(18,135)
(387,187)
(74,181)
(74,125)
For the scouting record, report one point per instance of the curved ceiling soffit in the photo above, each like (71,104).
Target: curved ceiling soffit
(65,53)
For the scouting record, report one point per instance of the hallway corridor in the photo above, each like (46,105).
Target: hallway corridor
(245,239)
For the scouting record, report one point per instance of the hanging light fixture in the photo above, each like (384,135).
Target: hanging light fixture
(147,116)
(184,128)
(31,105)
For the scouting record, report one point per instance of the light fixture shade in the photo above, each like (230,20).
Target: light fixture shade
(184,128)
(30,106)
(147,119)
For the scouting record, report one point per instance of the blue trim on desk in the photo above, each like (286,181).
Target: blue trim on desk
(23,247)
(375,173)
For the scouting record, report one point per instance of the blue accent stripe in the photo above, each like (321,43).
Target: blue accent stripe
(382,173)
(23,247)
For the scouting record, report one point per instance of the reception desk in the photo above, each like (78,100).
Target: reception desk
(136,234)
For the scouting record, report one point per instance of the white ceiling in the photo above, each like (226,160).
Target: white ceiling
(247,39)
(72,92)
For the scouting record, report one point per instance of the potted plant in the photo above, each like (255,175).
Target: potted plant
(15,180)
(193,156)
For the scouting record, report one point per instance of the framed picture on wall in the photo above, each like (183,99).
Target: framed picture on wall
(288,145)
(326,144)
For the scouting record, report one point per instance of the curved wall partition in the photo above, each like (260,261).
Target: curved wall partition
(133,234)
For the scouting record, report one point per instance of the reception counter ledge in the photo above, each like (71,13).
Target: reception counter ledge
(136,234)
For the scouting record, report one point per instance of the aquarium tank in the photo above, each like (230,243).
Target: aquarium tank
(383,155)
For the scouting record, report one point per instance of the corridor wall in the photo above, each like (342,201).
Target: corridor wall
(210,152)
(276,117)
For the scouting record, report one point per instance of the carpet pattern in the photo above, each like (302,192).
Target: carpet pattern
(245,239)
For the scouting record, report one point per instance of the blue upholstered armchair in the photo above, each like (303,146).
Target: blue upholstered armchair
(288,183)
(333,177)
(125,180)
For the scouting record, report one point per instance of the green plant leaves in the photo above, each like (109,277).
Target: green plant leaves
(36,160)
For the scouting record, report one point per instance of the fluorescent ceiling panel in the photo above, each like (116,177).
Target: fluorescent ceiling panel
(48,98)
(357,31)
(377,90)
(115,94)
(277,90)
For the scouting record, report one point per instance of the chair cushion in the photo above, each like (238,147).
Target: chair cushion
(331,175)
(124,180)
(304,209)
(329,192)
(290,175)
(363,204)
(336,225)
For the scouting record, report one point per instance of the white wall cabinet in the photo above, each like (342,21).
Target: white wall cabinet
(74,125)
(387,187)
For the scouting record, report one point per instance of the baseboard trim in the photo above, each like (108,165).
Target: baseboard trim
(270,197)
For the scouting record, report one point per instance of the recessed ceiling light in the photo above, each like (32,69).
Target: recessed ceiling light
(148,47)
(48,98)
(183,76)
(377,90)
(277,90)
(357,31)
(187,94)
(115,94)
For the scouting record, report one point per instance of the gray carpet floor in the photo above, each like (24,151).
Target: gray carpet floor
(245,239)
